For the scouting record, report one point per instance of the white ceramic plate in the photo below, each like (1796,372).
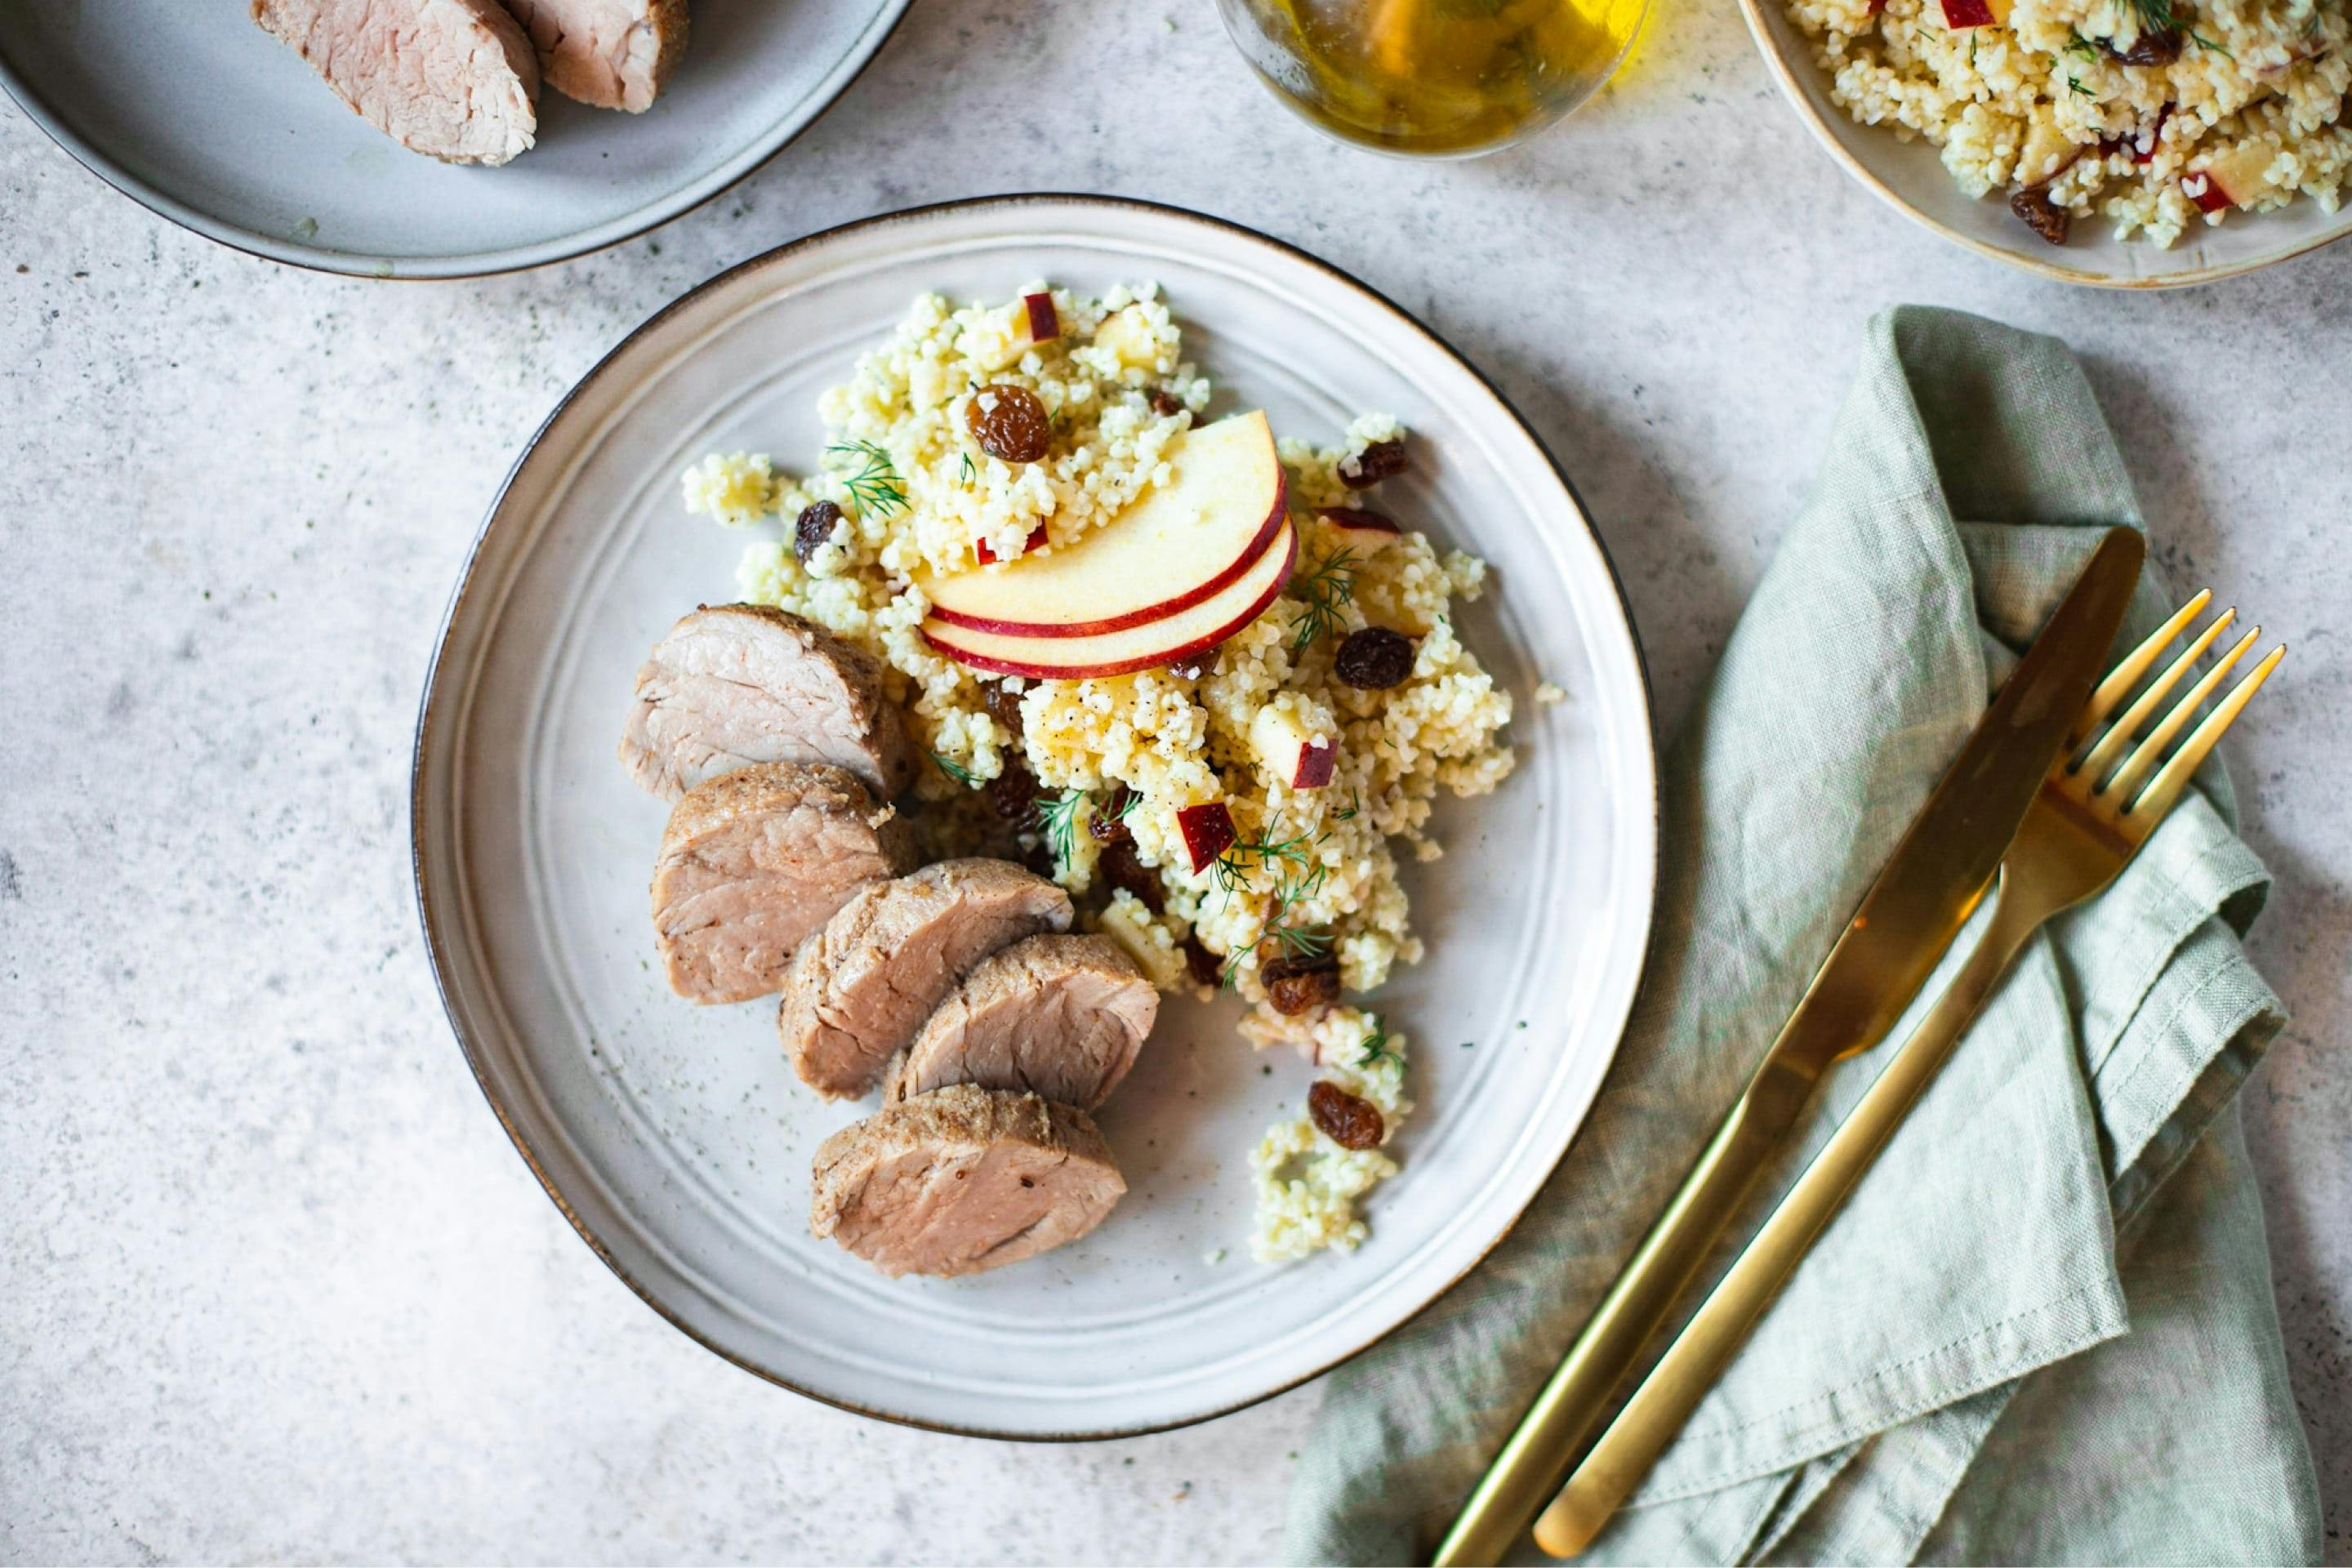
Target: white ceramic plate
(192,111)
(675,1137)
(1910,176)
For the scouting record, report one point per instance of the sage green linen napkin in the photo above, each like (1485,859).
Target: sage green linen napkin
(2041,1330)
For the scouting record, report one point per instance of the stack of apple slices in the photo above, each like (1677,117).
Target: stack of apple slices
(1187,566)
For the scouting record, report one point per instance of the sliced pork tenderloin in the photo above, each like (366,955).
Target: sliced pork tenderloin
(740,684)
(453,79)
(1063,1016)
(963,1180)
(753,862)
(861,987)
(608,54)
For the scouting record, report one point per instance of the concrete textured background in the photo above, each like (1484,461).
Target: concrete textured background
(272,1283)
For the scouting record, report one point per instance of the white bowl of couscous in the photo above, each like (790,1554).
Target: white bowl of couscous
(2107,121)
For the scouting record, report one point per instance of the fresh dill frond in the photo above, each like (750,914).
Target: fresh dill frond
(957,770)
(1376,1048)
(1355,806)
(876,486)
(1239,862)
(1127,805)
(2074,84)
(1323,591)
(966,474)
(1058,816)
(2084,48)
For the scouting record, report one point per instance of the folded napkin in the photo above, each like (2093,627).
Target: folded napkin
(2041,1329)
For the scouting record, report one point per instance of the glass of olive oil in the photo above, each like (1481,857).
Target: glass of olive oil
(1443,78)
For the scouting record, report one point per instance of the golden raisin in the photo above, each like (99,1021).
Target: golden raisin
(1008,422)
(1380,460)
(1296,986)
(1003,705)
(1347,1120)
(1122,867)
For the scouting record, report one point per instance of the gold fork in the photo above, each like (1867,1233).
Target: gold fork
(2097,807)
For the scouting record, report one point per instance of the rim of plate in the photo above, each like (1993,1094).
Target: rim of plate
(1784,74)
(436,946)
(755,156)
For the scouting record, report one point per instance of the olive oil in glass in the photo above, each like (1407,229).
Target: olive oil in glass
(1445,79)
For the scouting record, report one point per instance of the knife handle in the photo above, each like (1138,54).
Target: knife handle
(1691,1366)
(1533,1464)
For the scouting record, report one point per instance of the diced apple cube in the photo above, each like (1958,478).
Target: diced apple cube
(1044,321)
(1287,748)
(1962,14)
(987,557)
(2236,177)
(1129,335)
(1208,830)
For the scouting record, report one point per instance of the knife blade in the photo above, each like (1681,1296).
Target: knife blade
(1933,881)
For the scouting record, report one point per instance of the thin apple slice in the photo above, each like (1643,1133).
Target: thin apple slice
(1183,543)
(1367,531)
(1288,750)
(1190,630)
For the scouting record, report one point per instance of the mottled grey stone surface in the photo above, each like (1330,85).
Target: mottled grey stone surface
(272,1283)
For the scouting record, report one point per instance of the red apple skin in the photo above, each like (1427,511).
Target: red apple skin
(1044,321)
(1275,516)
(2200,187)
(987,664)
(987,557)
(1317,763)
(1960,14)
(1208,831)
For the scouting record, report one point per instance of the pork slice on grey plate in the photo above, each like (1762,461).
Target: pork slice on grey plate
(608,54)
(453,79)
(860,987)
(753,861)
(960,1180)
(739,684)
(1063,1016)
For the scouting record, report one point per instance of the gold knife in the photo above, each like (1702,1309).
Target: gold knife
(1929,885)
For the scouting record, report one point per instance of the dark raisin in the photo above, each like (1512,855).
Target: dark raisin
(1165,402)
(1374,659)
(1039,857)
(1201,963)
(1003,705)
(1296,986)
(1380,460)
(814,531)
(1350,1120)
(1108,825)
(2040,214)
(1014,794)
(1123,867)
(1008,422)
(2147,49)
(1195,665)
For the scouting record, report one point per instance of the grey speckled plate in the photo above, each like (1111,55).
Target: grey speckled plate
(676,1139)
(192,111)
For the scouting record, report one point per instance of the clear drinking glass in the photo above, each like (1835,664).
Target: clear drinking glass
(1443,78)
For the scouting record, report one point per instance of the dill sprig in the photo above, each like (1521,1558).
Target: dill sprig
(964,475)
(1057,815)
(957,770)
(2074,84)
(876,487)
(1242,861)
(1297,878)
(2158,16)
(1377,1048)
(1323,591)
(2084,48)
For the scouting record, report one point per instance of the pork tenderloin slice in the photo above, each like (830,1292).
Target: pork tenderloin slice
(861,987)
(962,1180)
(453,79)
(753,861)
(740,684)
(1063,1016)
(608,54)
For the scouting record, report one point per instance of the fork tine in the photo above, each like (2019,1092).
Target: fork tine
(2125,676)
(2166,787)
(2111,745)
(2150,752)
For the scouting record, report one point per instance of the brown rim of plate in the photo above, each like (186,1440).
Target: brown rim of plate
(1784,74)
(435,948)
(123,183)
